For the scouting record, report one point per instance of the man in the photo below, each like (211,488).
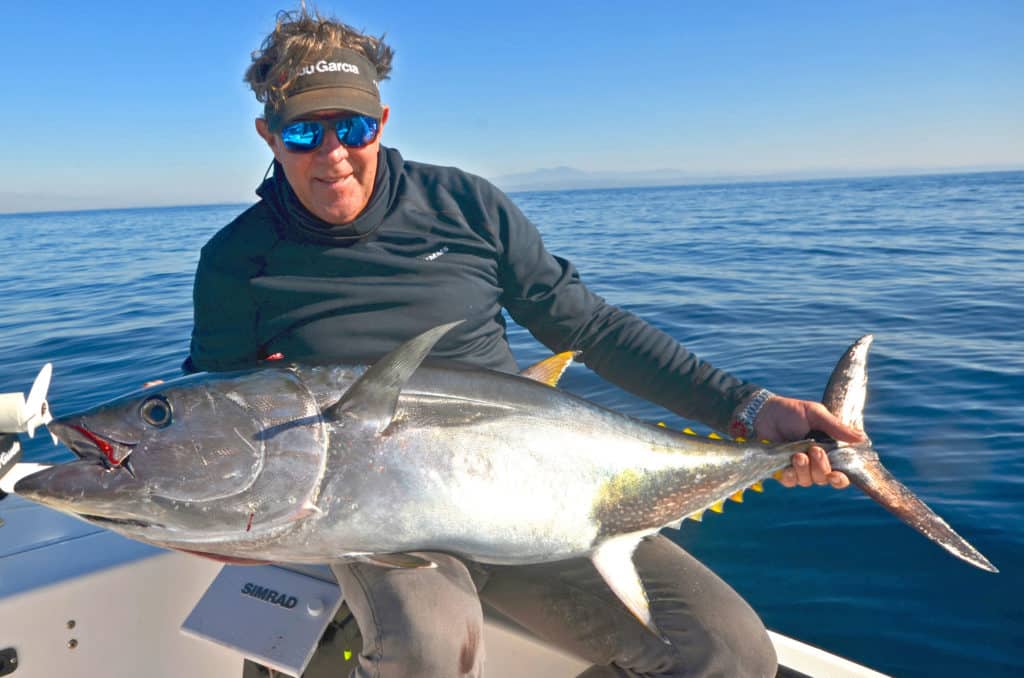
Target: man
(351,251)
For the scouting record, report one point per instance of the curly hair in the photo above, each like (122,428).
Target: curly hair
(300,37)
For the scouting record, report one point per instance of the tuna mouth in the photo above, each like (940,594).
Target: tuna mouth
(80,488)
(128,522)
(90,446)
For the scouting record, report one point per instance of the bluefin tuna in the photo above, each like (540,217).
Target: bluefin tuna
(387,463)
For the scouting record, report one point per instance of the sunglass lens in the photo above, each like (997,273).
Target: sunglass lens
(356,131)
(304,135)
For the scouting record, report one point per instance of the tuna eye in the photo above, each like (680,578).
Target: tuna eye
(156,411)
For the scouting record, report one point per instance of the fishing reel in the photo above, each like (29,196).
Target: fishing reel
(18,415)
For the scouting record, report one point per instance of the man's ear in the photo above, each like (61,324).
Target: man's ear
(264,131)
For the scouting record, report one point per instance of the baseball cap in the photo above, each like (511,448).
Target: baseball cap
(343,79)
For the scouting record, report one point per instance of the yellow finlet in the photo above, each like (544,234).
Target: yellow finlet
(737,497)
(661,424)
(757,487)
(740,439)
(777,475)
(714,436)
(718,506)
(698,516)
(689,431)
(550,370)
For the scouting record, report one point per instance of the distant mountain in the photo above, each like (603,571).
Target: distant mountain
(567,178)
(563,178)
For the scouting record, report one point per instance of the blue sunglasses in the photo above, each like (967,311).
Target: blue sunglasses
(354,131)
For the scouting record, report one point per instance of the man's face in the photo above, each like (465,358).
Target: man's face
(333,182)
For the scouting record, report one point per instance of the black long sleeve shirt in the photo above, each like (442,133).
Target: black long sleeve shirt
(433,245)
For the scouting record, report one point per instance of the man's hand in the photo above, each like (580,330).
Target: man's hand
(785,419)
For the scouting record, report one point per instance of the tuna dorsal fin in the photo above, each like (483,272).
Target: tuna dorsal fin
(847,388)
(374,396)
(614,560)
(550,370)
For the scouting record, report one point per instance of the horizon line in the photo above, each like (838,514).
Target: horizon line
(697,181)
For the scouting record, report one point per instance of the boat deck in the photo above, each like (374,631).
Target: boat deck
(77,600)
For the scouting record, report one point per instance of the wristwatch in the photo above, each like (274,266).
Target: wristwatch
(742,425)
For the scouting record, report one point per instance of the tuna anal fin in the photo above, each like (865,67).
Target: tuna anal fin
(550,370)
(614,560)
(374,396)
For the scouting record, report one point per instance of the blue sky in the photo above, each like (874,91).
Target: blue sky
(117,103)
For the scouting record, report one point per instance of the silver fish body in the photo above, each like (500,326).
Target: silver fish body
(495,467)
(324,464)
(504,470)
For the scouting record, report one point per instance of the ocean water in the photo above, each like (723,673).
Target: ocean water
(771,281)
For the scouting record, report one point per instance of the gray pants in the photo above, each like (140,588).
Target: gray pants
(430,622)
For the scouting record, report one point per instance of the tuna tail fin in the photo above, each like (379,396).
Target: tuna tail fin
(844,397)
(866,472)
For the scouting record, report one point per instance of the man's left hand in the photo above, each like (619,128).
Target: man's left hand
(784,419)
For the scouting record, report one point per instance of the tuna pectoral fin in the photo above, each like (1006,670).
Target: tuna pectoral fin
(402,561)
(614,560)
(229,560)
(374,396)
(866,472)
